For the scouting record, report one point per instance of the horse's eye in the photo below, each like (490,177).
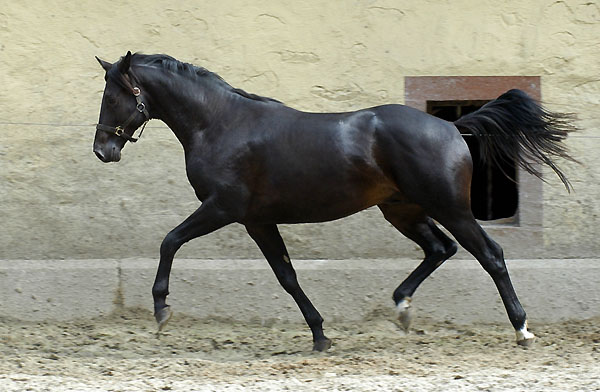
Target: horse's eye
(111,100)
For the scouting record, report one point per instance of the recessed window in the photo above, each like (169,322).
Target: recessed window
(493,195)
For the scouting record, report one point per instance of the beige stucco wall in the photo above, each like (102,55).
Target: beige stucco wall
(58,201)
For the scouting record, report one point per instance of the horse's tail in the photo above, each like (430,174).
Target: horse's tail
(515,126)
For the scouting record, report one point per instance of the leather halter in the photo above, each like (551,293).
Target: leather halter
(119,130)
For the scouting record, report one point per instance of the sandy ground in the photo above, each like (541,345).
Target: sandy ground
(123,353)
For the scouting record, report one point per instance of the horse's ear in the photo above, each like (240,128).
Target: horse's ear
(125,63)
(105,64)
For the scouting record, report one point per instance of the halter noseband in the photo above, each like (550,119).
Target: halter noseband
(119,130)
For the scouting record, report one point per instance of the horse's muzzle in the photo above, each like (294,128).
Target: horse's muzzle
(107,154)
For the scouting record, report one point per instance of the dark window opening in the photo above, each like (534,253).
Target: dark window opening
(493,195)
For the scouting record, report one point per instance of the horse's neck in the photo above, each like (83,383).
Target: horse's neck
(187,107)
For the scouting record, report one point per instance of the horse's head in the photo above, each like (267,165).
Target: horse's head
(122,111)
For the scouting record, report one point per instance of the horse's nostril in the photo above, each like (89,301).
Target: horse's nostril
(100,156)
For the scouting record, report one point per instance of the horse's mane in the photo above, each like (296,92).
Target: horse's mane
(169,63)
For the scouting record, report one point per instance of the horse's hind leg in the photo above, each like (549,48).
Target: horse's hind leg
(474,239)
(411,221)
(271,244)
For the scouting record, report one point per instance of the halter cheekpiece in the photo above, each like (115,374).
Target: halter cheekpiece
(119,130)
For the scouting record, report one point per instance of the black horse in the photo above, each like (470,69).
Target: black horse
(254,161)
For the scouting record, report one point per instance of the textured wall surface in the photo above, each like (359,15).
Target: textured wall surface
(57,200)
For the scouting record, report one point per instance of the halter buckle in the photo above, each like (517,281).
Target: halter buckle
(119,130)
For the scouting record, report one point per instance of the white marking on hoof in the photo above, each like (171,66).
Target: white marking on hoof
(163,316)
(403,304)
(524,337)
(404,309)
(286,259)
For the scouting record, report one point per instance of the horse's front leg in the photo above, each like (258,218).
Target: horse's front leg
(271,244)
(204,220)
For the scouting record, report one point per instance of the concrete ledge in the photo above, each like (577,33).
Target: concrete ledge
(349,290)
(57,290)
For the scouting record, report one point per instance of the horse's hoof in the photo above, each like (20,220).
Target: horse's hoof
(322,345)
(524,337)
(526,342)
(163,316)
(405,313)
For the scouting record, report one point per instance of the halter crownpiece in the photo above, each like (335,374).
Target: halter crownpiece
(119,130)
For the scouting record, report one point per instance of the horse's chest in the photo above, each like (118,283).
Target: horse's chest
(201,178)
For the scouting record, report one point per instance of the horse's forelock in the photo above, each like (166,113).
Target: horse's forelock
(115,75)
